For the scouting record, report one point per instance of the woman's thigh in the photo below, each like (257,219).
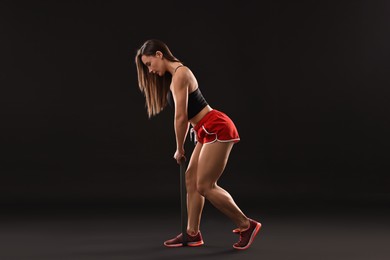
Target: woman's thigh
(212,161)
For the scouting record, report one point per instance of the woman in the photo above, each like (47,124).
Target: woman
(164,79)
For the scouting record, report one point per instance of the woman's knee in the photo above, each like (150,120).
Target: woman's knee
(204,188)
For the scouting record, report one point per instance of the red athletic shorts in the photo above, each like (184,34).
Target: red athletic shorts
(216,126)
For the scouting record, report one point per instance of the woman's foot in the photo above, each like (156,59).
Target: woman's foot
(247,236)
(195,240)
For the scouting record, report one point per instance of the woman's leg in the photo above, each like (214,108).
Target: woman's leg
(212,161)
(195,201)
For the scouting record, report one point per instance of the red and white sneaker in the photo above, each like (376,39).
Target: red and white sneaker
(247,236)
(196,240)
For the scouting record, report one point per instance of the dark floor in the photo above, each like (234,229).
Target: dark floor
(114,233)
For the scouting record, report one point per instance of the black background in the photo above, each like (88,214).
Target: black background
(306,82)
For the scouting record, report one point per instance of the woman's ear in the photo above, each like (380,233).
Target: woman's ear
(159,54)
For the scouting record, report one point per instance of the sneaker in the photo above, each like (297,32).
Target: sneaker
(247,236)
(196,240)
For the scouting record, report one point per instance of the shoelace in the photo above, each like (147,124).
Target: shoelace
(241,236)
(239,241)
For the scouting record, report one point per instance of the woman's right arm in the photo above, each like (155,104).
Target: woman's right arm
(180,95)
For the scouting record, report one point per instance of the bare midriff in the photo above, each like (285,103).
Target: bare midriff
(200,115)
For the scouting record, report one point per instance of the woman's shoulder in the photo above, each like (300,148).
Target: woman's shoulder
(183,70)
(183,73)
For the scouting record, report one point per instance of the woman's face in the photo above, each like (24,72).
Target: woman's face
(154,63)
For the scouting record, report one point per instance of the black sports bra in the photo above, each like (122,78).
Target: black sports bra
(196,102)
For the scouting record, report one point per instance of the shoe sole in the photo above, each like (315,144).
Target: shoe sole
(193,244)
(253,235)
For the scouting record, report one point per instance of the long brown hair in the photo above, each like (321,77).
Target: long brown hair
(154,87)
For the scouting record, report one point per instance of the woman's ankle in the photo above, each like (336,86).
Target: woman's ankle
(192,232)
(245,225)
